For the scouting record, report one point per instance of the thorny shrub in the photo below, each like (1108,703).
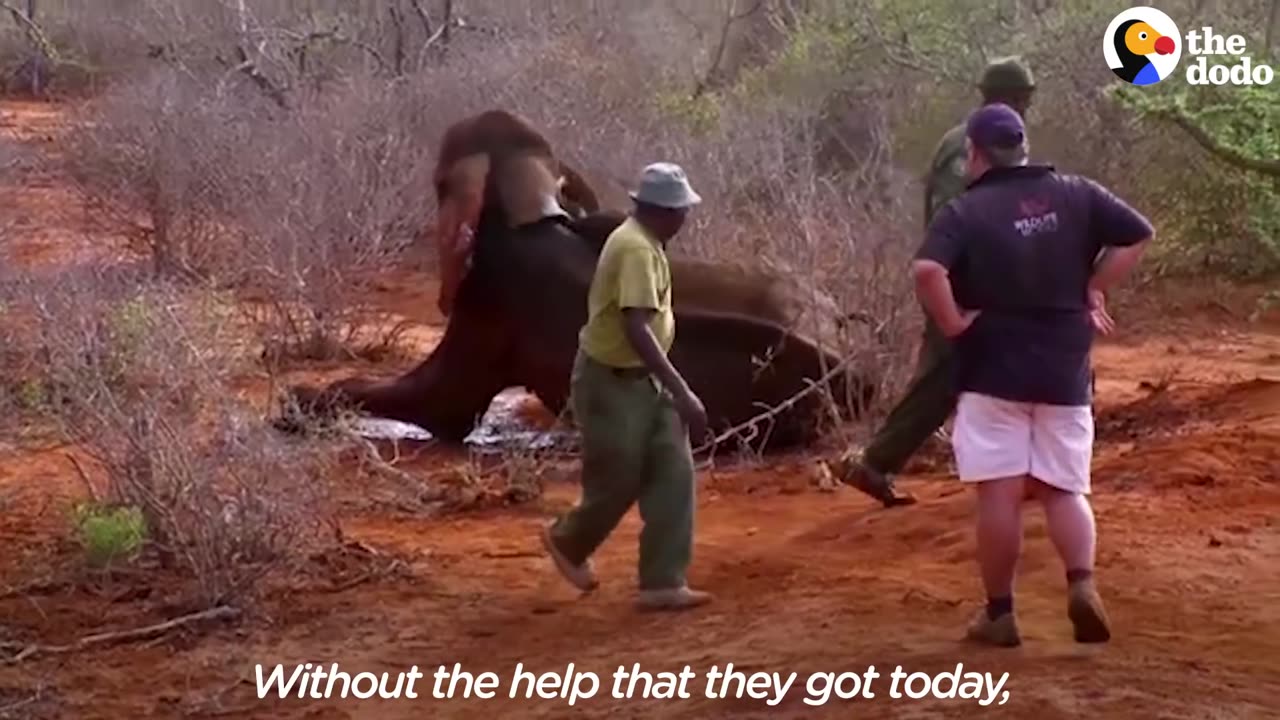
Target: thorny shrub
(300,210)
(137,374)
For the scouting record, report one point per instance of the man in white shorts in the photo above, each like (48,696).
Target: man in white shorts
(1008,273)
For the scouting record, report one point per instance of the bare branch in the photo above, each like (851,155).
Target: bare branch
(250,69)
(731,17)
(34,33)
(1215,147)
(423,16)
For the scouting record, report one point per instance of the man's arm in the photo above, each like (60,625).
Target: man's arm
(946,177)
(931,271)
(933,288)
(1116,265)
(646,346)
(1124,234)
(638,298)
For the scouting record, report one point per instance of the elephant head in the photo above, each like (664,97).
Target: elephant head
(496,161)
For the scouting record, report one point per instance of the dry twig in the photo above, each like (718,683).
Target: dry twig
(222,612)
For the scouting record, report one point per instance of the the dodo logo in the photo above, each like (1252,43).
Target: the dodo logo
(1142,46)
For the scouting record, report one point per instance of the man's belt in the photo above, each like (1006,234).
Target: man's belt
(630,373)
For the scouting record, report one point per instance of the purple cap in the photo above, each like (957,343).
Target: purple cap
(996,125)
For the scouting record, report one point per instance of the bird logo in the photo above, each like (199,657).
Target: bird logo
(1142,46)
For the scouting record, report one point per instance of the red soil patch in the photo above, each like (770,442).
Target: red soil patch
(1187,499)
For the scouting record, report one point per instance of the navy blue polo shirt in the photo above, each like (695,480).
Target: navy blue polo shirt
(1020,245)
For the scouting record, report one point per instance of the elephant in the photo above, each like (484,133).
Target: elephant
(496,160)
(516,321)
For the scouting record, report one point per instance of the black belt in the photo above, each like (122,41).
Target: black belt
(630,373)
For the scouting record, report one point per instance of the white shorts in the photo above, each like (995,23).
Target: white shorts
(996,438)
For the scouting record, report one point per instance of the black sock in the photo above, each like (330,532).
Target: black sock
(999,606)
(1075,576)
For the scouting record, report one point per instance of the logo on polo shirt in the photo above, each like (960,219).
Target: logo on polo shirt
(1035,215)
(1142,46)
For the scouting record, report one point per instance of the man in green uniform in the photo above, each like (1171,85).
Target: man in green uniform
(635,411)
(931,397)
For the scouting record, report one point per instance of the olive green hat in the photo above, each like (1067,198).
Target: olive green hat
(1010,73)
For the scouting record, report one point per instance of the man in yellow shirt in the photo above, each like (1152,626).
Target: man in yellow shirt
(636,413)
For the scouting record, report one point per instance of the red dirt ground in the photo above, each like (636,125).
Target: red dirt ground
(1187,494)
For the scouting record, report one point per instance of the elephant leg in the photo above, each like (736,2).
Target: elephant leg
(447,394)
(457,217)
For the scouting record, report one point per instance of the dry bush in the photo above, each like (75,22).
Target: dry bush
(138,376)
(344,193)
(300,209)
(158,156)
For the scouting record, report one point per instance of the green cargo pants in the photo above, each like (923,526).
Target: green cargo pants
(929,401)
(635,448)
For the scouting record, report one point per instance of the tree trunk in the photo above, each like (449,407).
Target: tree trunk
(38,61)
(1268,45)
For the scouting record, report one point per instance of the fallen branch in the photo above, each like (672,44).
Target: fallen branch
(362,578)
(5,710)
(222,612)
(40,586)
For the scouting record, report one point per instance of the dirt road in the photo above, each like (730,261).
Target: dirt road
(1187,497)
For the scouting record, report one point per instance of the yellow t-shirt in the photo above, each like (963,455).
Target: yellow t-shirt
(632,272)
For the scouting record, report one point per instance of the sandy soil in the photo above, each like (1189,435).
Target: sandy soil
(1188,489)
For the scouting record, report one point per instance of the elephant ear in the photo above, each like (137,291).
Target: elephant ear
(577,192)
(528,189)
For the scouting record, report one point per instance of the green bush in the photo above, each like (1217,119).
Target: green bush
(108,534)
(1223,211)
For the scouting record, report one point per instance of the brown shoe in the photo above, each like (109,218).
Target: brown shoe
(581,576)
(1001,632)
(870,481)
(1088,617)
(681,598)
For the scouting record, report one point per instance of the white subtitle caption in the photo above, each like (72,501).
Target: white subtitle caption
(572,686)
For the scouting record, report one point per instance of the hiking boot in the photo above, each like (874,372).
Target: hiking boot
(1084,607)
(872,482)
(1001,632)
(581,576)
(681,598)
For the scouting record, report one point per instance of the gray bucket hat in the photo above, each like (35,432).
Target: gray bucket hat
(665,185)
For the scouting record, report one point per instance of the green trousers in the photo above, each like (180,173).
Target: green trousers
(635,449)
(929,401)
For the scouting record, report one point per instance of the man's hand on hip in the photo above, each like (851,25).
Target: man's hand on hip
(960,324)
(1102,321)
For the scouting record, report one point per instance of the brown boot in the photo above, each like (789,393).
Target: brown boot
(1088,617)
(1001,632)
(870,481)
